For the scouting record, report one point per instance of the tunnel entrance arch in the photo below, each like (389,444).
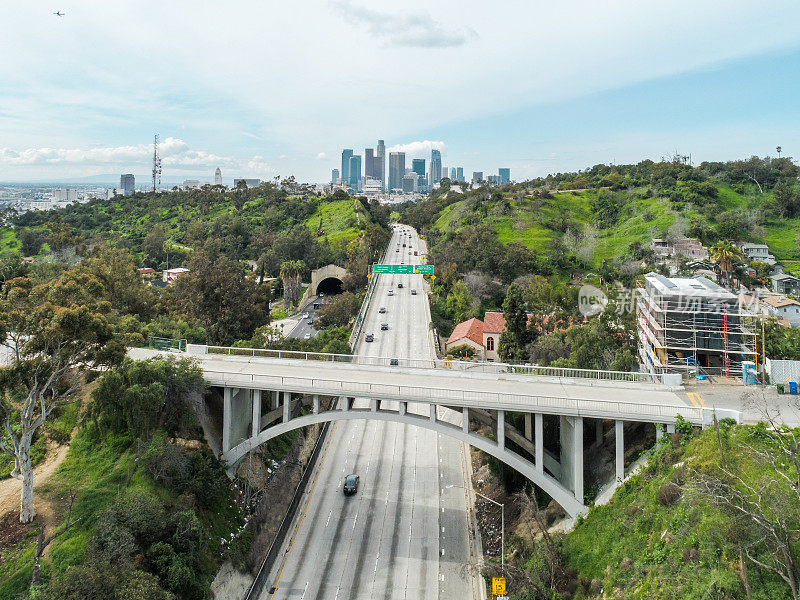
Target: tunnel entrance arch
(327,280)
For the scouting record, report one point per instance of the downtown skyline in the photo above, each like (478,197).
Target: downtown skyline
(726,94)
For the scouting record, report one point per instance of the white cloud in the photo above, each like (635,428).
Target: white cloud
(419,149)
(175,155)
(407,28)
(322,156)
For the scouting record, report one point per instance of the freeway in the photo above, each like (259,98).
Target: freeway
(400,536)
(303,328)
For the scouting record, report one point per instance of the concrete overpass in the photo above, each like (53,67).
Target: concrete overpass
(263,398)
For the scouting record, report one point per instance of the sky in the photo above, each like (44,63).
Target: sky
(265,89)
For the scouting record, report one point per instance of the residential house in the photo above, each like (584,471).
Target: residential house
(468,333)
(784,308)
(170,276)
(783,283)
(757,252)
(688,247)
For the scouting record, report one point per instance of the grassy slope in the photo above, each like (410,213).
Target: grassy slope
(338,220)
(97,473)
(526,223)
(655,540)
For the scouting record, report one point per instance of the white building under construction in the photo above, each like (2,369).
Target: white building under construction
(691,326)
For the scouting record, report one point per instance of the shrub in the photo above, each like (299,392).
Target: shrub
(669,494)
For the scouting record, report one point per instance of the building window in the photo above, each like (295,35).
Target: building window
(490,343)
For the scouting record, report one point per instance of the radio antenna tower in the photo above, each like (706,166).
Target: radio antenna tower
(156,165)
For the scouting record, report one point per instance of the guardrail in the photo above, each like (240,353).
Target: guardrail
(454,365)
(358,326)
(612,409)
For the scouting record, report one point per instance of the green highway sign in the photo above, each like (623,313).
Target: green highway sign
(403,269)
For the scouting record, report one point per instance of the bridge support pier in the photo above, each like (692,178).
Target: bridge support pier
(276,401)
(670,427)
(529,427)
(287,407)
(539,441)
(571,435)
(316,404)
(465,419)
(236,414)
(619,439)
(501,429)
(255,425)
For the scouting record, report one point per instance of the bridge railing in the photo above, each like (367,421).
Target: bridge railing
(454,365)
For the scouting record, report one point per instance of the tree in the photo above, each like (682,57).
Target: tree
(216,292)
(786,198)
(291,274)
(516,337)
(339,312)
(153,247)
(63,331)
(724,254)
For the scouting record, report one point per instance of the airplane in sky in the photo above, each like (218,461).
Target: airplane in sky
(59,13)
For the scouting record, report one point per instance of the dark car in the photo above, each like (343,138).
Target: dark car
(382,309)
(316,305)
(399,285)
(369,338)
(384,326)
(413,292)
(350,486)
(394,362)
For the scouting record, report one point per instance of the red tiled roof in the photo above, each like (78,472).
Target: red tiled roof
(494,322)
(779,301)
(472,329)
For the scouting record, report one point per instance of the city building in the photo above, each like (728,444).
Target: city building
(335,176)
(191,184)
(354,172)
(784,308)
(65,196)
(691,325)
(217,177)
(397,169)
(453,174)
(783,283)
(380,163)
(477,176)
(505,176)
(410,183)
(418,168)
(369,163)
(371,187)
(127,184)
(493,179)
(347,153)
(436,167)
(460,174)
(170,276)
(251,183)
(757,252)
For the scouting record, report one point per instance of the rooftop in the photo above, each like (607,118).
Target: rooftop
(688,286)
(780,301)
(472,329)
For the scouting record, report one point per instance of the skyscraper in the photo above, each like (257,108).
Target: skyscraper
(477,176)
(354,180)
(460,174)
(335,176)
(217,177)
(127,183)
(436,167)
(347,153)
(397,169)
(505,176)
(453,174)
(369,163)
(418,168)
(380,163)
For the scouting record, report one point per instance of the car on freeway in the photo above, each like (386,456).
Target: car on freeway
(369,338)
(310,320)
(393,362)
(391,293)
(307,336)
(384,326)
(404,245)
(398,250)
(350,486)
(382,309)
(399,286)
(413,292)
(316,305)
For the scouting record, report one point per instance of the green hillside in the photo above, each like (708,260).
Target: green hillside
(625,207)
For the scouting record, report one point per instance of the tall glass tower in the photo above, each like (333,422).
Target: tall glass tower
(347,154)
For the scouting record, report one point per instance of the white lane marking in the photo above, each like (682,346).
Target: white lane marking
(305,589)
(442,529)
(442,551)
(329,518)
(337,591)
(354,521)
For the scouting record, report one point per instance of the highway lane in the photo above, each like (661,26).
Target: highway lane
(399,536)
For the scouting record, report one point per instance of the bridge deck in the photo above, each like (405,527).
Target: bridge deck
(603,399)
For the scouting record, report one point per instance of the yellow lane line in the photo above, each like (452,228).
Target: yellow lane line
(693,397)
(299,525)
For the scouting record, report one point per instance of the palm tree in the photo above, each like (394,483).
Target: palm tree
(291,273)
(725,253)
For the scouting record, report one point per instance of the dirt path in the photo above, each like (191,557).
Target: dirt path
(10,488)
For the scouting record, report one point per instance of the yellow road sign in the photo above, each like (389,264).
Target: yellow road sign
(498,585)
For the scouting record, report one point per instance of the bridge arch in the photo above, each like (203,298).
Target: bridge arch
(553,487)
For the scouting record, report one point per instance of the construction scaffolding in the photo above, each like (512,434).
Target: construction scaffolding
(691,326)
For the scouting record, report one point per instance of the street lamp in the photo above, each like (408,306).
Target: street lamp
(502,520)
